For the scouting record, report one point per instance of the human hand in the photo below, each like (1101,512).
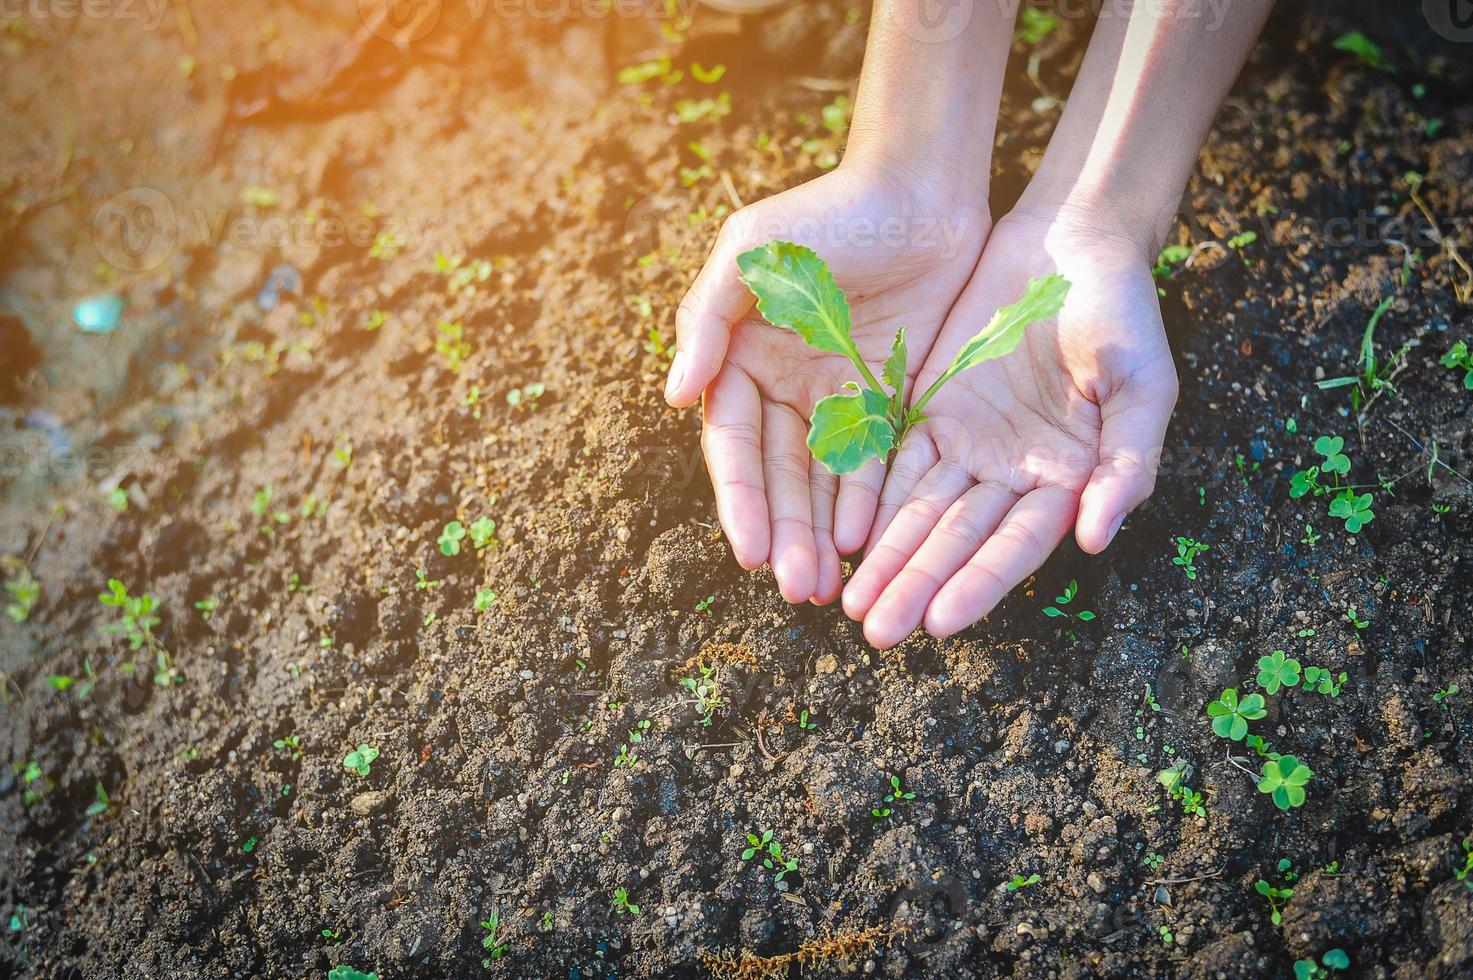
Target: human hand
(1065,430)
(902,249)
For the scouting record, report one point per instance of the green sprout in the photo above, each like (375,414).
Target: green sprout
(707,693)
(485,599)
(360,758)
(1458,357)
(492,941)
(1334,959)
(1284,780)
(483,533)
(622,905)
(796,291)
(1230,716)
(1465,873)
(1275,897)
(1187,551)
(897,794)
(207,607)
(1366,51)
(1070,592)
(1443,696)
(1276,671)
(771,853)
(450,537)
(292,746)
(1322,681)
(451,344)
(101,803)
(1019,882)
(1353,508)
(1174,781)
(24,592)
(527,394)
(344,972)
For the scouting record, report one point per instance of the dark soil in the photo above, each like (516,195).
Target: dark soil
(1028,750)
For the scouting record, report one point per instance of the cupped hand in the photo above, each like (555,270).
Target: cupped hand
(1065,431)
(902,251)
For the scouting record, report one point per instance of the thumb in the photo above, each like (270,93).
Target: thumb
(715,301)
(1133,426)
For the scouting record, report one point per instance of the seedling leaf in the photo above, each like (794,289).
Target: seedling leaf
(796,291)
(1042,300)
(850,430)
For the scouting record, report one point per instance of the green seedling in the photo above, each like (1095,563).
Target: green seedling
(345,972)
(1170,257)
(1375,377)
(527,394)
(36,783)
(24,592)
(1465,873)
(1154,861)
(450,537)
(1034,25)
(804,723)
(261,508)
(622,905)
(80,688)
(360,759)
(626,758)
(1443,696)
(1285,866)
(101,803)
(796,291)
(1366,51)
(423,581)
(494,945)
(1019,882)
(1277,670)
(1174,781)
(485,599)
(1352,614)
(771,854)
(1334,959)
(292,746)
(1353,508)
(1459,358)
(1276,897)
(1070,592)
(483,533)
(1284,780)
(897,794)
(1187,551)
(207,607)
(450,343)
(1322,681)
(1230,716)
(136,618)
(462,276)
(706,691)
(655,344)
(704,606)
(639,731)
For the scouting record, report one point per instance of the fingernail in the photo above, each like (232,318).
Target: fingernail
(1114,529)
(677,374)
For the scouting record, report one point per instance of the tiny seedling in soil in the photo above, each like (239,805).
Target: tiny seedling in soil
(1284,780)
(626,758)
(1020,882)
(291,745)
(1334,959)
(485,599)
(804,723)
(1276,671)
(1443,696)
(1374,376)
(450,344)
(796,291)
(345,972)
(1356,510)
(450,537)
(360,758)
(1458,357)
(1322,681)
(261,508)
(1154,861)
(1230,715)
(423,581)
(771,854)
(24,592)
(1366,51)
(704,606)
(1167,938)
(706,692)
(101,802)
(1070,592)
(1465,873)
(207,607)
(882,810)
(622,905)
(1275,896)
(492,941)
(1352,614)
(1174,781)
(527,394)
(1187,551)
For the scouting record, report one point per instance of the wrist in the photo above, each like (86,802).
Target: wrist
(1114,212)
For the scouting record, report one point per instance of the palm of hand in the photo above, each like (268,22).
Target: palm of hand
(776,503)
(983,490)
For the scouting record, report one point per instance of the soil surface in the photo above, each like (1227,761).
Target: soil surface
(272,442)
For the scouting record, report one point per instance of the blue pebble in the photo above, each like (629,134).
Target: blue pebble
(283,278)
(98,314)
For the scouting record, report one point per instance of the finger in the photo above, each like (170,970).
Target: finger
(916,458)
(854,513)
(1133,426)
(716,300)
(785,459)
(1021,543)
(962,530)
(942,485)
(823,487)
(732,442)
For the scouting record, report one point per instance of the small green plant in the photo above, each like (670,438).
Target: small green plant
(1352,614)
(706,691)
(292,746)
(1322,681)
(1277,670)
(1167,937)
(24,592)
(796,291)
(1284,779)
(269,517)
(1459,357)
(1366,51)
(485,599)
(450,537)
(136,618)
(1154,861)
(804,723)
(345,972)
(1019,882)
(1352,508)
(528,394)
(622,905)
(483,533)
(462,276)
(207,607)
(1187,551)
(1070,592)
(1465,873)
(101,802)
(1174,781)
(450,343)
(626,758)
(771,854)
(1230,715)
(1276,897)
(423,582)
(360,759)
(897,794)
(1442,697)
(1334,959)
(494,945)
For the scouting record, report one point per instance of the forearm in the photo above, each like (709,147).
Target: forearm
(1147,92)
(929,91)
